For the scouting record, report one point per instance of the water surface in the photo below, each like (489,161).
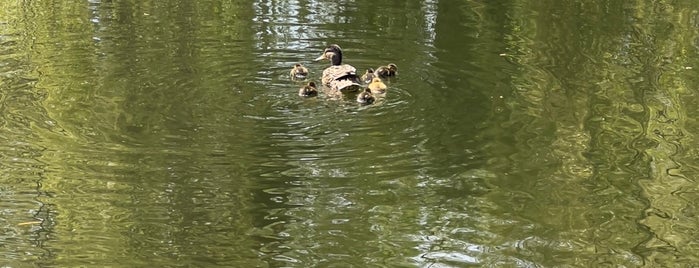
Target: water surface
(516,134)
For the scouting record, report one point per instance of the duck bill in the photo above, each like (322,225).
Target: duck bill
(322,57)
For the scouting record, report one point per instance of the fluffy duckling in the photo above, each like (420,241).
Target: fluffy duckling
(368,76)
(308,90)
(298,72)
(338,76)
(377,86)
(366,97)
(387,71)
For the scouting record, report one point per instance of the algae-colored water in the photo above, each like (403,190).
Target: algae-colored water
(516,134)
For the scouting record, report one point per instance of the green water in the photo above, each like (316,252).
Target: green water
(516,134)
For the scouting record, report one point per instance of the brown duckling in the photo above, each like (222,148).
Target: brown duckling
(368,76)
(377,86)
(309,90)
(298,72)
(338,76)
(366,97)
(386,71)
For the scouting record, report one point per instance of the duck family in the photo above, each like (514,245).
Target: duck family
(341,77)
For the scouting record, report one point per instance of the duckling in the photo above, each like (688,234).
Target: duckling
(365,97)
(338,76)
(368,76)
(298,72)
(386,71)
(308,90)
(377,86)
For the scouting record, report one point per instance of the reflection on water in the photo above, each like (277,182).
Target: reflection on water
(169,134)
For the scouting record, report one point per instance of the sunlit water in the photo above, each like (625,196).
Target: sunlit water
(526,134)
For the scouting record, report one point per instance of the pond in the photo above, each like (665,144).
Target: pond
(515,134)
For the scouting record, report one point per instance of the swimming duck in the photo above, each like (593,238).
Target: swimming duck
(298,72)
(368,75)
(377,86)
(386,71)
(338,76)
(365,97)
(308,90)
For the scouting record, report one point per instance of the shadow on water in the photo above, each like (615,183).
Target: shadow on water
(519,133)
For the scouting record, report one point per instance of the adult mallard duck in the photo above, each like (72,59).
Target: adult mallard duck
(368,76)
(308,90)
(386,71)
(365,97)
(377,86)
(298,72)
(338,76)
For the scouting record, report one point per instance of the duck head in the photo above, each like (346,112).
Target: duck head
(333,53)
